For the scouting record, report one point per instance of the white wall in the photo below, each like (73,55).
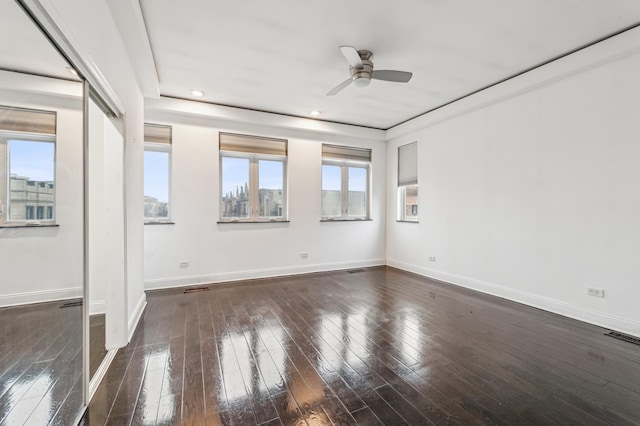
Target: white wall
(223,252)
(529,190)
(42,264)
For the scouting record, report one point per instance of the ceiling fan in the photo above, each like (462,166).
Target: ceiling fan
(362,71)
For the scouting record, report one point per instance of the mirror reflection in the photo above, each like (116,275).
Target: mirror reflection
(106,228)
(41,227)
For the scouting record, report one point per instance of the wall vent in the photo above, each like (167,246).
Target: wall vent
(71,304)
(354,271)
(196,289)
(625,337)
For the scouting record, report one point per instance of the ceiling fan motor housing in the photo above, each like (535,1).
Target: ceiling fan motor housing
(362,75)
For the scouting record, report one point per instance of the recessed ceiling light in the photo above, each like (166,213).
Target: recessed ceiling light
(315,113)
(197,93)
(72,71)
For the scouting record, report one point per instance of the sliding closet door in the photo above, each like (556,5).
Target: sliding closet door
(41,227)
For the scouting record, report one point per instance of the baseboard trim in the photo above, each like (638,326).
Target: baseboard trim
(136,315)
(165,283)
(98,307)
(551,305)
(39,296)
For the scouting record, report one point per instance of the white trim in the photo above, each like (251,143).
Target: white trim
(551,305)
(164,283)
(98,307)
(136,315)
(101,372)
(40,296)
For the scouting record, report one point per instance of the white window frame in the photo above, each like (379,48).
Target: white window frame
(5,180)
(344,188)
(254,185)
(405,182)
(167,148)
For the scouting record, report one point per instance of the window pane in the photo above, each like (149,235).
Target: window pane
(270,184)
(331,191)
(156,184)
(235,187)
(31,183)
(409,200)
(357,191)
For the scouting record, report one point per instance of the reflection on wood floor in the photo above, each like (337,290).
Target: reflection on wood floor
(377,347)
(40,364)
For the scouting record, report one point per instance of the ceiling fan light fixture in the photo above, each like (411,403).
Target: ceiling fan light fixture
(361,81)
(197,93)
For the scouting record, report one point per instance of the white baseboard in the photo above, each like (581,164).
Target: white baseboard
(136,315)
(98,307)
(39,296)
(164,283)
(558,307)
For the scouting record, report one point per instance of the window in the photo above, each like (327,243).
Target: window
(252,178)
(408,182)
(345,182)
(27,166)
(157,172)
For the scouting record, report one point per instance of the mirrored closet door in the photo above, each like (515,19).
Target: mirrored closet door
(106,232)
(41,227)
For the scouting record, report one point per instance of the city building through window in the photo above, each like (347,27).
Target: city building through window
(27,166)
(157,172)
(345,182)
(408,182)
(253,174)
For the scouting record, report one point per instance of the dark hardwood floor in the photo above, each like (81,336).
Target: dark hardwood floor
(377,347)
(40,364)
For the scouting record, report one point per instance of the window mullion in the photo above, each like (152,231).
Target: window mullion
(4,180)
(253,189)
(345,191)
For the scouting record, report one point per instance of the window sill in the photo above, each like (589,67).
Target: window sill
(159,223)
(346,220)
(223,222)
(407,221)
(38,225)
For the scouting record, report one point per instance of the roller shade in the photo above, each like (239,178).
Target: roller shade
(27,120)
(408,164)
(252,144)
(346,153)
(156,133)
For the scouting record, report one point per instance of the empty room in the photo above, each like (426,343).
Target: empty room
(332,213)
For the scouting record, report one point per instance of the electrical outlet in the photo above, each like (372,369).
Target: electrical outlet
(304,255)
(184,264)
(595,292)
(432,258)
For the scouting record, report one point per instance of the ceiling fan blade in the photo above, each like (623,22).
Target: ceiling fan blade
(391,75)
(339,87)
(351,55)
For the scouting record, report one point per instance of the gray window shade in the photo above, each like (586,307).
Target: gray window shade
(408,164)
(346,152)
(27,120)
(156,133)
(252,144)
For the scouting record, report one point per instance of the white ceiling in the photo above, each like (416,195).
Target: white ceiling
(282,56)
(24,48)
